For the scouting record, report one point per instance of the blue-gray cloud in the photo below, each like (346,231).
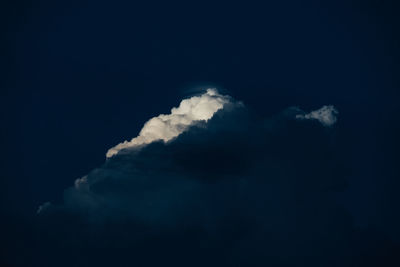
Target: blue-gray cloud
(325,115)
(233,189)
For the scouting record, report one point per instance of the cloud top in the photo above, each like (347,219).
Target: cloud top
(325,115)
(165,127)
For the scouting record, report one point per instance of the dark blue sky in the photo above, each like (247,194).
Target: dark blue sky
(81,76)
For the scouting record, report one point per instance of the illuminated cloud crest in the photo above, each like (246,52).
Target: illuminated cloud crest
(165,127)
(325,115)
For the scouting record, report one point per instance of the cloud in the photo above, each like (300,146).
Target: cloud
(165,127)
(228,188)
(43,207)
(325,115)
(177,160)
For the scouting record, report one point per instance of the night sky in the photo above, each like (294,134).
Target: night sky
(297,163)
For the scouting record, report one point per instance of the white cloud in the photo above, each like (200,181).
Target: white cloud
(325,115)
(165,127)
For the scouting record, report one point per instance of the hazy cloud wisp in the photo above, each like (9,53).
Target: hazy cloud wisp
(325,115)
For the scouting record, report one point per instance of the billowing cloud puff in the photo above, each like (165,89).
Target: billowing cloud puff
(325,115)
(165,127)
(176,157)
(239,190)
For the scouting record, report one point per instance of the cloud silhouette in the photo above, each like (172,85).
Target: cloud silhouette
(230,189)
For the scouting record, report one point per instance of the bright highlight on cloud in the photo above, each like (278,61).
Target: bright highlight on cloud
(325,115)
(165,127)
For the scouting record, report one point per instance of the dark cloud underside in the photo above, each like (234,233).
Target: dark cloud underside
(235,191)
